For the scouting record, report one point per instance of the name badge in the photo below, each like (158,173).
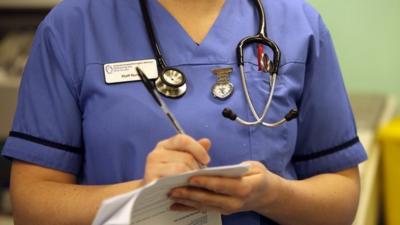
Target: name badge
(126,71)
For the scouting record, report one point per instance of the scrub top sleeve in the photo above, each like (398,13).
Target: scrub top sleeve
(327,137)
(47,124)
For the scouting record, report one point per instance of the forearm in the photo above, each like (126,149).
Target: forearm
(325,199)
(45,196)
(47,202)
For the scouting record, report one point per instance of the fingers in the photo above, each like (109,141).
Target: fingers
(226,195)
(187,144)
(165,157)
(200,198)
(206,143)
(176,155)
(255,167)
(168,163)
(184,205)
(223,185)
(181,207)
(164,170)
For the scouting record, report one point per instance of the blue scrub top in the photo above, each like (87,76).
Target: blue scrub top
(70,120)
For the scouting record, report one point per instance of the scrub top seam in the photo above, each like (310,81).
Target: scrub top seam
(62,54)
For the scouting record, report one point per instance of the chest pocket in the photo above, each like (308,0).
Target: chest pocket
(273,147)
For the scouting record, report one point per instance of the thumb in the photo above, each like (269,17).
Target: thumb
(255,167)
(206,143)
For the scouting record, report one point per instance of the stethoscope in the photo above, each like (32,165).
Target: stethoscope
(172,82)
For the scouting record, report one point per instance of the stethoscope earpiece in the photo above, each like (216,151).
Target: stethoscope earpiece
(292,114)
(229,114)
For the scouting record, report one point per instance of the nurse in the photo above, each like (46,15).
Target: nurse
(78,139)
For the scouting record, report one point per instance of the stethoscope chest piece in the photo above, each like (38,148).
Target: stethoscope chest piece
(171,83)
(223,88)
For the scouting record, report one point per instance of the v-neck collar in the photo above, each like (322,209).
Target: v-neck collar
(190,35)
(219,45)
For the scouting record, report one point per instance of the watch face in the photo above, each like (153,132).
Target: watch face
(222,91)
(173,78)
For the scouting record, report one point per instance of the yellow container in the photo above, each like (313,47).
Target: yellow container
(389,137)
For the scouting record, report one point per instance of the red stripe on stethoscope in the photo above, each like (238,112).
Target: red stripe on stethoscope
(260,52)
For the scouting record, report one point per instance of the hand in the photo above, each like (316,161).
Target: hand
(252,192)
(176,155)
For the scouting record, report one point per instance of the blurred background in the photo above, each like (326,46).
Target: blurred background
(366,34)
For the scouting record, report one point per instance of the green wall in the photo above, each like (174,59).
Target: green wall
(367,39)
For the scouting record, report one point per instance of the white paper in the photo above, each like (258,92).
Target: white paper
(150,204)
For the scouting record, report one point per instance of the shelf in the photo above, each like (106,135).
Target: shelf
(28,4)
(12,83)
(8,99)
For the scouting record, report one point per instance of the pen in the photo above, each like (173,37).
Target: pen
(152,90)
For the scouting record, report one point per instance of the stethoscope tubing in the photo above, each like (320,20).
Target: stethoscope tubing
(262,28)
(260,38)
(259,119)
(150,31)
